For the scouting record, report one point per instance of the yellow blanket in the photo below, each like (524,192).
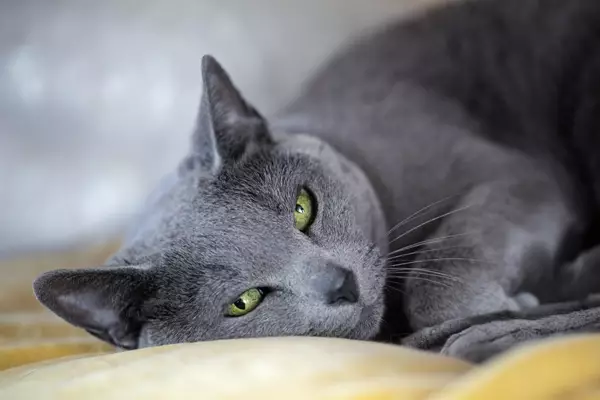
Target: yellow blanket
(43,358)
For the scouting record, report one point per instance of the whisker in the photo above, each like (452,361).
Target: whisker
(398,290)
(428,241)
(400,274)
(403,278)
(474,260)
(410,217)
(411,269)
(427,251)
(430,250)
(419,276)
(430,281)
(405,271)
(470,260)
(430,221)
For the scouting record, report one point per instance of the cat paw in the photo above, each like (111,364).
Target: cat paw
(481,342)
(525,300)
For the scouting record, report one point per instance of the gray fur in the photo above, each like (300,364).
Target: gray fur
(482,111)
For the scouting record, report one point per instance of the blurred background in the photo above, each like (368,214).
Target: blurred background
(98,98)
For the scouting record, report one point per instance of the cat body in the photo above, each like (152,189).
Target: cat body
(441,168)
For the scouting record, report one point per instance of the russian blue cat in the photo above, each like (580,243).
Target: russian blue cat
(442,168)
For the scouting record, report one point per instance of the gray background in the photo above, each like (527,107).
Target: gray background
(97,98)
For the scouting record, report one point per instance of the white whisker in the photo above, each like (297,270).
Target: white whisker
(474,260)
(428,241)
(419,276)
(424,252)
(430,221)
(389,287)
(410,217)
(428,280)
(408,271)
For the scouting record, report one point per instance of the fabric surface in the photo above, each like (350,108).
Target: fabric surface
(482,337)
(43,358)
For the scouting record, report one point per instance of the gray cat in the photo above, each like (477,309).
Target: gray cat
(442,168)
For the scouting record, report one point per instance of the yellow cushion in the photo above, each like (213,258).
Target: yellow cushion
(268,368)
(312,368)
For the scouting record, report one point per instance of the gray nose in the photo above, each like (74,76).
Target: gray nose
(337,285)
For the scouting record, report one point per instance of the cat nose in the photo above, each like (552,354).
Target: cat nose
(337,285)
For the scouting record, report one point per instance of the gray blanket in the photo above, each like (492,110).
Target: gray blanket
(479,338)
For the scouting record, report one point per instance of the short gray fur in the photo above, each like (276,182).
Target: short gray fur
(483,112)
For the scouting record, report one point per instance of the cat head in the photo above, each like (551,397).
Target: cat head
(258,233)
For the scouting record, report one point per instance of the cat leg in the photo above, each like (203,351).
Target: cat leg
(435,337)
(581,278)
(506,230)
(481,342)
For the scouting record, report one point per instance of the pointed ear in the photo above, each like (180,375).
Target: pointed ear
(107,302)
(227,125)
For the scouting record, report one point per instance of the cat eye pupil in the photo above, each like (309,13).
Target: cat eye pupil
(304,211)
(245,303)
(239,303)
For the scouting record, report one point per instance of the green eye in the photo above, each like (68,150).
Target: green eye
(304,211)
(247,302)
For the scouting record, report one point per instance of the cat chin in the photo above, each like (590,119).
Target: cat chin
(368,324)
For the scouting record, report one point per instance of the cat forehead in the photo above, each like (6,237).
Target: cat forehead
(232,259)
(209,262)
(267,180)
(275,163)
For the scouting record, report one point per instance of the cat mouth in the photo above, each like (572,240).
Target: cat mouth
(367,324)
(366,312)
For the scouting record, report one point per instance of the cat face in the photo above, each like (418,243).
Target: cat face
(257,234)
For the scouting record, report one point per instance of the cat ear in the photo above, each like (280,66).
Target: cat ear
(107,302)
(227,125)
